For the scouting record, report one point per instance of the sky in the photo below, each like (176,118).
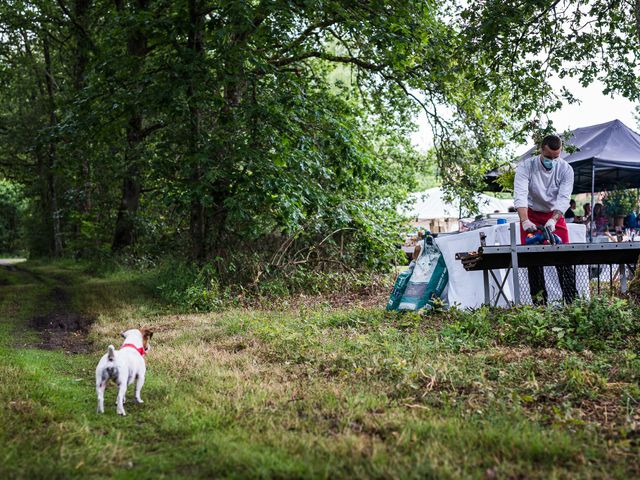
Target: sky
(595,108)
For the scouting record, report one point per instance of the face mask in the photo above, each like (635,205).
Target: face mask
(548,162)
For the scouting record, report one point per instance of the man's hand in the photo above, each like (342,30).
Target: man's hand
(529,226)
(551,225)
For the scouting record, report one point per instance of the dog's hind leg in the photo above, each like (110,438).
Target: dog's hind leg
(101,385)
(139,384)
(122,390)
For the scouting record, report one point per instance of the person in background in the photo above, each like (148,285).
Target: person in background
(570,214)
(586,218)
(631,220)
(542,188)
(600,220)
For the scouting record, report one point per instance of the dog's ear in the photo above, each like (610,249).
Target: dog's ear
(146,333)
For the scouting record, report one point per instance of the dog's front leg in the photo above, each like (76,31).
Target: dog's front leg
(139,384)
(100,388)
(122,390)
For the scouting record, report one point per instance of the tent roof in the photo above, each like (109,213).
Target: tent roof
(612,148)
(431,204)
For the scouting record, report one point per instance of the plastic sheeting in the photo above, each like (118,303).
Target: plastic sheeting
(431,204)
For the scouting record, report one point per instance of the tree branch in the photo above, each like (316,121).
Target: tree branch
(280,62)
(150,129)
(80,28)
(533,20)
(307,33)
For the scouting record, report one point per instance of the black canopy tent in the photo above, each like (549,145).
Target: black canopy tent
(607,158)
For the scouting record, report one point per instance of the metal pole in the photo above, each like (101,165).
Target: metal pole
(514,265)
(593,189)
(487,295)
(623,277)
(485,273)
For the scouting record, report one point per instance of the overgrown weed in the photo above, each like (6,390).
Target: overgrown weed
(599,324)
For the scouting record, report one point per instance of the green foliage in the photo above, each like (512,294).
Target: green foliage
(13,207)
(620,202)
(602,323)
(188,287)
(506,179)
(218,130)
(264,140)
(528,42)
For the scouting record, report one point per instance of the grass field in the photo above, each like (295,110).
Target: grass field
(313,391)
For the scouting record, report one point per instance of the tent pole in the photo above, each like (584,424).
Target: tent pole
(593,189)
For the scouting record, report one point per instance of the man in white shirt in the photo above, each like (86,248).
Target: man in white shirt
(542,191)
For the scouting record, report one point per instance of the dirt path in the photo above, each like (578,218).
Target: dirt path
(61,328)
(9,262)
(58,325)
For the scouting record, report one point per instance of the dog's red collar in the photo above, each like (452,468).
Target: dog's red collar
(140,349)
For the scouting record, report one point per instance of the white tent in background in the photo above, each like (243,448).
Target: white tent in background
(431,204)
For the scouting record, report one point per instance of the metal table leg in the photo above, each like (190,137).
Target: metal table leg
(501,286)
(514,265)
(487,295)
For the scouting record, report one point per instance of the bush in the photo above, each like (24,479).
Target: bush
(620,202)
(602,323)
(192,287)
(200,288)
(12,210)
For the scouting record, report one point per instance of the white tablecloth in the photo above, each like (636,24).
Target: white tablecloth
(466,289)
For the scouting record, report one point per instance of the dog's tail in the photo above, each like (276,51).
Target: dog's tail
(111,354)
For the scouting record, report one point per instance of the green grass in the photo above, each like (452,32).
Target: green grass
(316,392)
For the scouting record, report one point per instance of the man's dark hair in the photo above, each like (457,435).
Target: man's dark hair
(572,202)
(554,142)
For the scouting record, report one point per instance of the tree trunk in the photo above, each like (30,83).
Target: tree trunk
(197,220)
(52,196)
(82,47)
(124,234)
(637,9)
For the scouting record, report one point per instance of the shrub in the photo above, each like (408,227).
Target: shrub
(12,208)
(620,202)
(601,323)
(187,286)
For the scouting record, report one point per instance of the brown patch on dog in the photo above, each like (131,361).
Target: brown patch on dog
(146,336)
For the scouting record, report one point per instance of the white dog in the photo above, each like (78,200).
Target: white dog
(124,366)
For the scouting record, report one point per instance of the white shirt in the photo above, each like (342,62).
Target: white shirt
(540,189)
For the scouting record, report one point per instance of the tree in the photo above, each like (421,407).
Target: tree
(278,130)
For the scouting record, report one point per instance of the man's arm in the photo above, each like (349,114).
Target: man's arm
(564,193)
(521,195)
(523,214)
(521,187)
